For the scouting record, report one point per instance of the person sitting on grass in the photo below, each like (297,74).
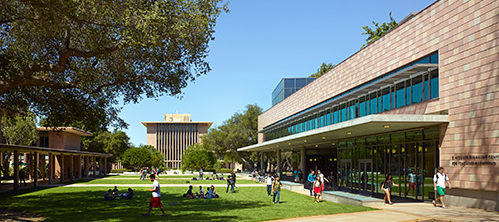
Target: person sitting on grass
(189,193)
(201,192)
(116,192)
(215,195)
(209,194)
(128,195)
(108,196)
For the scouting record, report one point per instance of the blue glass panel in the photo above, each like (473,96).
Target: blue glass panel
(352,112)
(434,87)
(426,89)
(374,107)
(400,97)
(380,106)
(289,83)
(417,90)
(335,117)
(386,102)
(408,91)
(343,114)
(328,119)
(362,109)
(301,83)
(434,58)
(424,60)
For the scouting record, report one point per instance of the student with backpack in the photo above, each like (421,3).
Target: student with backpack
(440,180)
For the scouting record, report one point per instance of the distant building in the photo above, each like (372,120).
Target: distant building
(288,86)
(174,135)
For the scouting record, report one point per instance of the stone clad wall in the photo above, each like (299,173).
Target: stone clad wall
(465,33)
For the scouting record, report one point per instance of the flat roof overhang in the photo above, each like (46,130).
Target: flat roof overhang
(190,122)
(45,150)
(363,126)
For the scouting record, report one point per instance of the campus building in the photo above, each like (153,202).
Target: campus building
(174,135)
(288,86)
(425,95)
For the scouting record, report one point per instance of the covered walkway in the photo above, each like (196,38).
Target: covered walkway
(53,165)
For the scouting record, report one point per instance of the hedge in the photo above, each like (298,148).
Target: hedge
(120,170)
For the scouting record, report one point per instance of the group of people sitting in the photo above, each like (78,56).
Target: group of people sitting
(212,177)
(115,194)
(210,194)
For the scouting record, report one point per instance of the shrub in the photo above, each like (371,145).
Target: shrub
(224,170)
(120,170)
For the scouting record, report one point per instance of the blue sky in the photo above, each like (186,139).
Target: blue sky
(261,41)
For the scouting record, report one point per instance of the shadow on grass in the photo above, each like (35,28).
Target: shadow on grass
(89,205)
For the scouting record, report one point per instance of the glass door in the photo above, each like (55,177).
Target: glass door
(366,169)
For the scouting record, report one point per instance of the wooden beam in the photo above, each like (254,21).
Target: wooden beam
(72,164)
(87,166)
(42,158)
(94,164)
(16,169)
(51,168)
(30,177)
(35,170)
(79,167)
(105,165)
(101,168)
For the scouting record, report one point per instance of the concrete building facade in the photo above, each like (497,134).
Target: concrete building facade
(424,95)
(174,135)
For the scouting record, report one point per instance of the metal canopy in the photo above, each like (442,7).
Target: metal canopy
(363,126)
(25,149)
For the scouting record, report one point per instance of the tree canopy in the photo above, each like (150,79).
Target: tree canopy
(238,131)
(115,143)
(142,156)
(324,68)
(196,157)
(72,60)
(378,31)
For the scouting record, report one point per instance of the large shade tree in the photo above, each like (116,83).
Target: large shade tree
(71,60)
(238,131)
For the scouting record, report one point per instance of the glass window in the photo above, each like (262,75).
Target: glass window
(287,92)
(289,83)
(362,107)
(426,87)
(434,84)
(392,101)
(374,107)
(336,115)
(386,99)
(343,113)
(434,58)
(408,92)
(328,119)
(301,83)
(351,110)
(400,95)
(417,89)
(380,102)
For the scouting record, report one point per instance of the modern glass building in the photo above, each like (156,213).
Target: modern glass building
(424,95)
(288,86)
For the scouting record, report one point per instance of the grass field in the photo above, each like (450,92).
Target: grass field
(87,204)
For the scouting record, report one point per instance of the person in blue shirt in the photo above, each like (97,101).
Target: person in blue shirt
(310,179)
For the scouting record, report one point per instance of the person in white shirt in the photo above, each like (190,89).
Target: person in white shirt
(269,180)
(439,181)
(156,194)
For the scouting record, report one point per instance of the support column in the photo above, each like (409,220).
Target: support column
(100,166)
(30,177)
(16,169)
(79,167)
(303,161)
(61,164)
(72,164)
(94,164)
(42,170)
(105,165)
(35,170)
(279,162)
(51,168)
(87,166)
(261,162)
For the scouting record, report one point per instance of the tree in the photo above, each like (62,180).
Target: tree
(71,60)
(115,143)
(238,131)
(196,157)
(379,31)
(18,130)
(324,68)
(142,156)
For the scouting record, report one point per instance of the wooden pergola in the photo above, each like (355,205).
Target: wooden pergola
(78,165)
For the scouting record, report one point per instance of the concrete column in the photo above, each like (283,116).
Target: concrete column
(35,170)
(303,161)
(105,165)
(94,164)
(279,162)
(101,168)
(42,170)
(61,164)
(72,164)
(51,168)
(30,177)
(78,166)
(87,166)
(16,169)
(261,162)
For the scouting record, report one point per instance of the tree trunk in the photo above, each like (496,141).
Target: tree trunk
(5,164)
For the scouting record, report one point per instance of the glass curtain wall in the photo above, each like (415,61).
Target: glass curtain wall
(411,157)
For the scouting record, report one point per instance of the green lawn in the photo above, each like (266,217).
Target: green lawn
(87,204)
(179,181)
(163,176)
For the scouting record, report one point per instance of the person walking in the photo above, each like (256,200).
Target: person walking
(317,189)
(412,181)
(229,181)
(156,195)
(387,186)
(276,189)
(310,180)
(269,180)
(439,181)
(322,180)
